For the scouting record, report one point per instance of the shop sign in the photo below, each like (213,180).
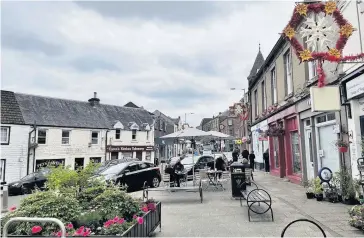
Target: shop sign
(113,148)
(262,138)
(48,162)
(355,87)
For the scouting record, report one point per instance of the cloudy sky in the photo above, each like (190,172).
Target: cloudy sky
(176,57)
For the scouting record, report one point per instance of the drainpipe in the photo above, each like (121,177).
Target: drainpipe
(29,143)
(360,36)
(107,131)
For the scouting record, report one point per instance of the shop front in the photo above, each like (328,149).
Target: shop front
(260,142)
(354,92)
(43,163)
(144,153)
(284,144)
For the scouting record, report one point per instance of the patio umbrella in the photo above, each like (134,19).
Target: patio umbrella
(191,134)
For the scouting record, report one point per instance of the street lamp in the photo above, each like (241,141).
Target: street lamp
(242,89)
(187,113)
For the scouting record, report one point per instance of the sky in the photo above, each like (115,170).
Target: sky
(175,57)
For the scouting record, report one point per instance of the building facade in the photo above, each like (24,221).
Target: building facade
(73,133)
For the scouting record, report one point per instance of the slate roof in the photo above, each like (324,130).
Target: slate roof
(46,111)
(258,63)
(205,120)
(165,117)
(131,104)
(10,111)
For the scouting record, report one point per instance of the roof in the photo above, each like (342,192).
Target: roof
(259,61)
(131,104)
(165,118)
(176,120)
(205,120)
(47,111)
(10,111)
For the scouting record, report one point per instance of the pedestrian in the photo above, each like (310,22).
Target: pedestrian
(245,154)
(252,160)
(235,155)
(156,162)
(266,161)
(220,165)
(178,170)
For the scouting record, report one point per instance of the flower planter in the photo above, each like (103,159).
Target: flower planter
(343,149)
(319,197)
(310,195)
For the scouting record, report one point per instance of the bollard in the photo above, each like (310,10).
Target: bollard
(4,197)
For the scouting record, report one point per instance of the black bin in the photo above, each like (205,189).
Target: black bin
(238,184)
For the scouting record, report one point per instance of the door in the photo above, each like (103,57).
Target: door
(327,151)
(309,157)
(275,152)
(79,163)
(139,155)
(114,155)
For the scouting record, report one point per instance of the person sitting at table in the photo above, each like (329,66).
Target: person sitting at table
(178,169)
(220,165)
(170,170)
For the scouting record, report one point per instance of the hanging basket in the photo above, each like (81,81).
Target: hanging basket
(343,149)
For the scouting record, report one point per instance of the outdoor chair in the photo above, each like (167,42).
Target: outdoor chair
(204,178)
(225,179)
(166,180)
(249,176)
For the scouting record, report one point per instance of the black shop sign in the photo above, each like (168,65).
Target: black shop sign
(113,148)
(48,163)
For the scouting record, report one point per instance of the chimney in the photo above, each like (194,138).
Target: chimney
(94,101)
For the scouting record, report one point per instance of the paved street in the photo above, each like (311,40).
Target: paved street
(220,215)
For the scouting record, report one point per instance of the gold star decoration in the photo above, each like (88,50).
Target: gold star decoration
(346,30)
(302,9)
(334,52)
(289,32)
(305,55)
(330,7)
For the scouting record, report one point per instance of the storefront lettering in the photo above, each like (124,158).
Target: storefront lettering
(355,87)
(50,162)
(129,148)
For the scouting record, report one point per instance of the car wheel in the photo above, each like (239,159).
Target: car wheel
(155,182)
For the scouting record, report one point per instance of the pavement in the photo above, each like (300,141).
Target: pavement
(221,216)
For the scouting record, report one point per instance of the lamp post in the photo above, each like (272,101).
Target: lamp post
(187,113)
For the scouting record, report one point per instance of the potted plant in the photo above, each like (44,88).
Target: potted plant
(336,183)
(318,190)
(342,145)
(347,187)
(310,190)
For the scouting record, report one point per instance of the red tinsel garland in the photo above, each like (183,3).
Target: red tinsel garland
(321,75)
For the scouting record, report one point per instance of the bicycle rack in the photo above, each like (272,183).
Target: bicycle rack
(34,219)
(306,220)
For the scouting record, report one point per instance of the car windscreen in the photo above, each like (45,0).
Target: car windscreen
(188,160)
(115,169)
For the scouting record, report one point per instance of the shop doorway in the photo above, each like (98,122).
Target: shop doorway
(114,155)
(362,126)
(139,155)
(309,156)
(79,163)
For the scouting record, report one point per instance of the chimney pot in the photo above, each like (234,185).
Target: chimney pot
(95,94)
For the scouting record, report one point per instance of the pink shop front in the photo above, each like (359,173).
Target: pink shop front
(284,148)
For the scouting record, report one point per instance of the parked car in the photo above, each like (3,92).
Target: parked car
(172,161)
(108,163)
(197,162)
(28,183)
(133,174)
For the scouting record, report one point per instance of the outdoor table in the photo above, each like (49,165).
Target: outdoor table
(212,175)
(181,174)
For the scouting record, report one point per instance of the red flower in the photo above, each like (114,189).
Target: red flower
(140,220)
(145,209)
(151,206)
(36,229)
(69,226)
(121,221)
(12,208)
(79,231)
(108,223)
(59,234)
(135,217)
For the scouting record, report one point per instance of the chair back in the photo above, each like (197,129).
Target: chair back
(225,175)
(203,174)
(166,180)
(248,174)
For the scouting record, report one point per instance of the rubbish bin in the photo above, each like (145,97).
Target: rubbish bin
(237,171)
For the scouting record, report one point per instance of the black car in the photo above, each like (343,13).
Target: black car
(201,162)
(108,163)
(29,183)
(133,174)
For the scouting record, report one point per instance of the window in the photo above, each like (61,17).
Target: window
(256,102)
(95,137)
(133,167)
(65,137)
(160,125)
(2,169)
(275,152)
(117,134)
(5,134)
(165,126)
(144,166)
(133,134)
(230,122)
(264,99)
(231,132)
(147,135)
(312,69)
(331,116)
(308,122)
(42,137)
(296,155)
(79,163)
(274,86)
(148,155)
(288,72)
(95,160)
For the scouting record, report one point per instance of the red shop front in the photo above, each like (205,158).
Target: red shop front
(284,150)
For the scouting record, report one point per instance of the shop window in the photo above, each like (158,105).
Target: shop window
(148,156)
(296,155)
(275,152)
(331,116)
(127,154)
(321,119)
(79,162)
(5,134)
(95,160)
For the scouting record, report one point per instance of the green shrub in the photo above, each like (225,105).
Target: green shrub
(44,204)
(114,202)
(91,220)
(87,194)
(60,178)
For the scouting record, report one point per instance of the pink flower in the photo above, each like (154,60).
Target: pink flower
(151,206)
(145,209)
(87,232)
(135,217)
(140,220)
(121,221)
(107,224)
(12,208)
(36,229)
(116,219)
(69,226)
(79,231)
(59,234)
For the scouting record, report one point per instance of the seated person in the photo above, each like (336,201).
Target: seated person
(178,168)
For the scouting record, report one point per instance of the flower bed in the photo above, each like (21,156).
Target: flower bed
(95,209)
(357,217)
